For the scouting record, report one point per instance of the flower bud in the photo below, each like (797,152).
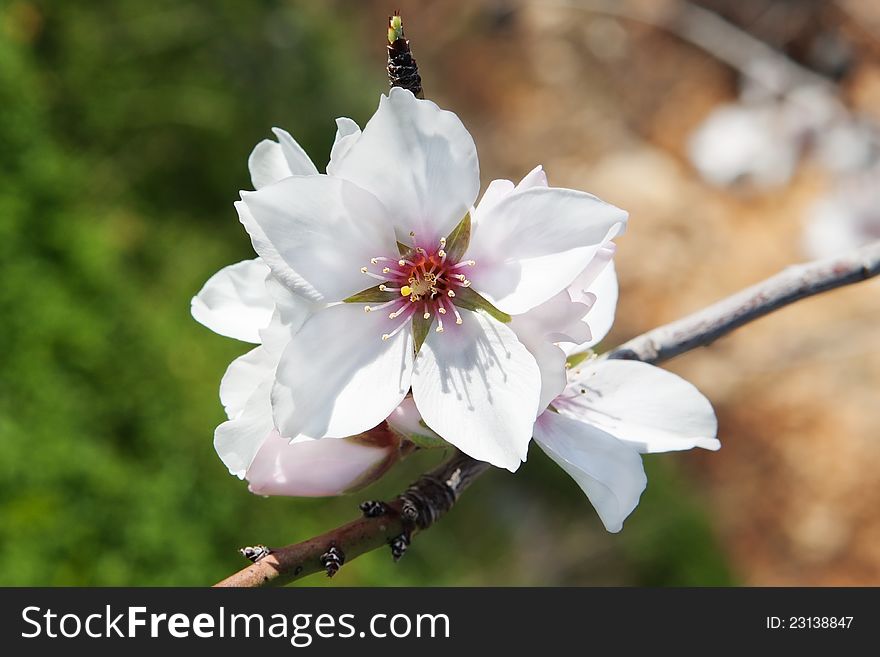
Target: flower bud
(325,467)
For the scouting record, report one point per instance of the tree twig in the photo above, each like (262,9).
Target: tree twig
(436,492)
(791,284)
(392,524)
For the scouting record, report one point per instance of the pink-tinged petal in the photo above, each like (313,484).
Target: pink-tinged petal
(238,440)
(347,133)
(337,377)
(320,468)
(478,387)
(324,229)
(234,301)
(648,407)
(420,161)
(597,287)
(271,161)
(608,470)
(242,378)
(555,320)
(534,243)
(408,423)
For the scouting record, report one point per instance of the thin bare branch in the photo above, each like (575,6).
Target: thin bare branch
(392,524)
(793,283)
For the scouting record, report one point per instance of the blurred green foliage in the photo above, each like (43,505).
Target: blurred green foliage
(124,133)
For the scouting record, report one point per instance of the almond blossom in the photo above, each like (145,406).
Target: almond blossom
(411,287)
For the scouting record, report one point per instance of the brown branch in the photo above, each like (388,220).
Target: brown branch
(392,524)
(791,284)
(436,492)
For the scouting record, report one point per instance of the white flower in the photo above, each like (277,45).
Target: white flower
(606,414)
(390,231)
(610,413)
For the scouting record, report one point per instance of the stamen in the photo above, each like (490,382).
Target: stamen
(450,293)
(369,309)
(409,311)
(372,275)
(439,328)
(385,288)
(463,263)
(427,315)
(441,310)
(442,242)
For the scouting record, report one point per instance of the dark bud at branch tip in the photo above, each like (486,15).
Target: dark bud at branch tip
(402,68)
(254,553)
(332,560)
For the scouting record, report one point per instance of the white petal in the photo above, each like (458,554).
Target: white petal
(596,286)
(478,387)
(652,409)
(420,161)
(496,191)
(324,229)
(237,441)
(347,133)
(291,312)
(337,377)
(608,470)
(271,161)
(267,164)
(298,161)
(280,269)
(243,376)
(408,422)
(534,178)
(601,314)
(234,301)
(534,243)
(318,468)
(554,320)
(551,363)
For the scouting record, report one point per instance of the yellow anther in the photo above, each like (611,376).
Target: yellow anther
(405,291)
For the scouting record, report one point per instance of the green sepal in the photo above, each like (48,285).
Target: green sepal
(420,329)
(427,442)
(404,249)
(372,295)
(576,359)
(466,298)
(458,240)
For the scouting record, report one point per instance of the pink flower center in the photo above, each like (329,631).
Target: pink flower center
(426,282)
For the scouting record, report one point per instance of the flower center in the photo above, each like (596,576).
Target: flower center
(426,282)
